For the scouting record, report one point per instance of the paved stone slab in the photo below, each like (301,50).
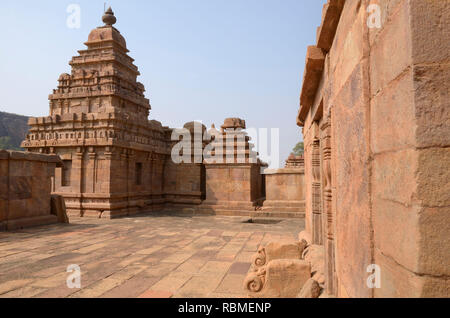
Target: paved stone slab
(149,256)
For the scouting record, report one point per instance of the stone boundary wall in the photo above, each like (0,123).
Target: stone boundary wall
(285,196)
(26,183)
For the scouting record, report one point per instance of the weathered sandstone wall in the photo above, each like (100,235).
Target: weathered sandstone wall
(26,182)
(285,192)
(383,94)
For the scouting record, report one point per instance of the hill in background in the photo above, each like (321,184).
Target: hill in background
(13,129)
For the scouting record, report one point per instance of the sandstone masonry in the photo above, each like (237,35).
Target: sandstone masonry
(375,115)
(26,182)
(116,162)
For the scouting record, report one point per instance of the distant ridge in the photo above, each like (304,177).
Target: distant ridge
(13,129)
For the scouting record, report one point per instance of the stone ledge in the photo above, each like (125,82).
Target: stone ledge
(315,62)
(284,171)
(331,15)
(29,156)
(18,224)
(315,57)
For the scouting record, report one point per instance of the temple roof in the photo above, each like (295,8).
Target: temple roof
(107,32)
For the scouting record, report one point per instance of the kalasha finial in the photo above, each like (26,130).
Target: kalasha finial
(109,18)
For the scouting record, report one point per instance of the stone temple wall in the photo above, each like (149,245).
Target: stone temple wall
(375,111)
(284,188)
(26,182)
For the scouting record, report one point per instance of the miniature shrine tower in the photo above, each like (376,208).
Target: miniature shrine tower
(234,184)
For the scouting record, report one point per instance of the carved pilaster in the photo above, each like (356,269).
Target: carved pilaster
(77,171)
(91,170)
(131,177)
(328,221)
(107,174)
(158,166)
(317,236)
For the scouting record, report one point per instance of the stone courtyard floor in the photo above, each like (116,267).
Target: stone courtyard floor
(150,256)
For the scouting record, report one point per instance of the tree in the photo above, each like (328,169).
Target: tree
(7,144)
(299,149)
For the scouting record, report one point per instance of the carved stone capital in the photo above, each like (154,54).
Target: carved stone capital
(275,250)
(280,278)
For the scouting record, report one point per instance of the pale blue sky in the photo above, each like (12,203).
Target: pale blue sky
(199,59)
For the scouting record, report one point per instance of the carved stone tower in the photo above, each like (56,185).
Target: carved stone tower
(234,184)
(113,155)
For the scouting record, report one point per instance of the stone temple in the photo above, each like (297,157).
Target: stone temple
(372,186)
(116,162)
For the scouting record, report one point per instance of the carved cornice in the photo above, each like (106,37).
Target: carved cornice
(315,61)
(315,57)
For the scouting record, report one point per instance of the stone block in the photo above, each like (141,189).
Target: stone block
(394,176)
(432,105)
(393,115)
(315,255)
(434,240)
(276,250)
(433,175)
(430,26)
(348,49)
(393,45)
(58,208)
(282,278)
(397,231)
(311,289)
(398,282)
(388,9)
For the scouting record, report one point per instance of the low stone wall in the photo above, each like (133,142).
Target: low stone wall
(25,189)
(232,189)
(285,192)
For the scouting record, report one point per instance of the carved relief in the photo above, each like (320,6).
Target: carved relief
(316,192)
(255,282)
(328,221)
(275,250)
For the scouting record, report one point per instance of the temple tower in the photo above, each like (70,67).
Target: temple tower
(234,184)
(113,155)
